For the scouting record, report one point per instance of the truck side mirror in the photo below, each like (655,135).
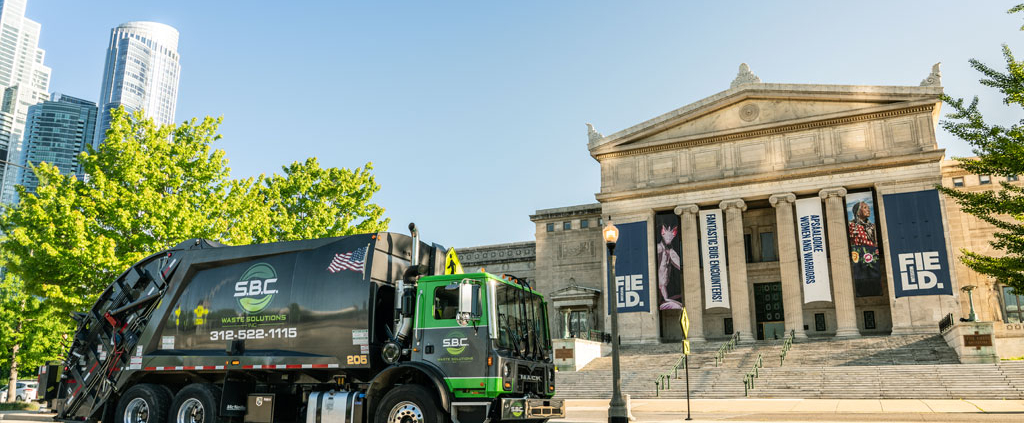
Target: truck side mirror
(408,299)
(469,303)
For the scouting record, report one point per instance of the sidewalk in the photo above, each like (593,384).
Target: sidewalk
(26,416)
(837,406)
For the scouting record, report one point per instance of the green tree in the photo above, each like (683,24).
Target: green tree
(150,187)
(1000,151)
(22,317)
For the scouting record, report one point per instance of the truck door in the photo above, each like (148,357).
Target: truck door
(459,351)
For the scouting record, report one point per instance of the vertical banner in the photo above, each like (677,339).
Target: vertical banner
(862,235)
(917,244)
(712,254)
(813,258)
(630,284)
(670,278)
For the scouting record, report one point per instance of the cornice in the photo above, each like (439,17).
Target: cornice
(767,131)
(820,170)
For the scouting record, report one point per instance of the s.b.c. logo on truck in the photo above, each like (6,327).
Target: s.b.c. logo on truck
(455,343)
(255,289)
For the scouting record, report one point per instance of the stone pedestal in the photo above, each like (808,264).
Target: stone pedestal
(788,267)
(572,354)
(974,342)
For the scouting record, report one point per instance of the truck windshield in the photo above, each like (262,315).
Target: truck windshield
(522,323)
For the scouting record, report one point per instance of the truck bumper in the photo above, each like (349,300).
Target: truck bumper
(531,408)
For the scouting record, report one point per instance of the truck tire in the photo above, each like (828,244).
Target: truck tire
(409,404)
(143,403)
(196,403)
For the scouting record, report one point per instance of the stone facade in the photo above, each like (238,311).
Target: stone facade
(991,302)
(751,151)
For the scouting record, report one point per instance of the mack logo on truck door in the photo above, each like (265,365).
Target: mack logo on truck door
(255,289)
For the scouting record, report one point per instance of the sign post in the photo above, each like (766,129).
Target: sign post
(684,321)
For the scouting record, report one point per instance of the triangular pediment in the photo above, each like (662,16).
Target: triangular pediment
(574,292)
(757,107)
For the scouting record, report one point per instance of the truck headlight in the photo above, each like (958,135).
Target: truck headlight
(506,371)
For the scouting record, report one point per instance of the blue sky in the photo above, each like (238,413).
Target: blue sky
(473,112)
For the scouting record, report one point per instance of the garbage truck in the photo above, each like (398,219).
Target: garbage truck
(359,328)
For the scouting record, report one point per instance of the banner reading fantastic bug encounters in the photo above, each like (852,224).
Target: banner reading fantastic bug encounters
(712,253)
(811,245)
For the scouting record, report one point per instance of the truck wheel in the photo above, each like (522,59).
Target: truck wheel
(196,403)
(408,404)
(144,403)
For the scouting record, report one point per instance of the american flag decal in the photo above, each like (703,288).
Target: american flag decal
(353,260)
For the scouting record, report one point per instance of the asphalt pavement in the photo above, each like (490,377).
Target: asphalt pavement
(760,410)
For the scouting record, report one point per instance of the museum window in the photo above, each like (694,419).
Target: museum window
(728,325)
(584,223)
(768,250)
(869,319)
(1012,178)
(958,181)
(567,225)
(579,324)
(984,179)
(551,227)
(1013,306)
(748,248)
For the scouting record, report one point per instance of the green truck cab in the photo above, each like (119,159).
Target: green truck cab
(489,337)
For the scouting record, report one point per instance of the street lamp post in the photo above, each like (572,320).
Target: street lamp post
(617,412)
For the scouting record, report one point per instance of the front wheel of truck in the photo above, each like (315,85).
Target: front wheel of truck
(409,404)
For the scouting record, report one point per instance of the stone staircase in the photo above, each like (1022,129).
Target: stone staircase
(918,366)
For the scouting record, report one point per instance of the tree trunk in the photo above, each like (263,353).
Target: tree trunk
(12,382)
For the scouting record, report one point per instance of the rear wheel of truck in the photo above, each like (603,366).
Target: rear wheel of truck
(409,404)
(145,403)
(196,403)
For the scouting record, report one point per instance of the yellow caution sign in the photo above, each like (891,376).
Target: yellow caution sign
(684,321)
(686,347)
(451,263)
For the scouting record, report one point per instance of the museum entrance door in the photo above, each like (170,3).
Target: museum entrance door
(770,317)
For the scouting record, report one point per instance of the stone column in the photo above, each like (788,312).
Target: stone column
(738,291)
(788,252)
(839,260)
(692,292)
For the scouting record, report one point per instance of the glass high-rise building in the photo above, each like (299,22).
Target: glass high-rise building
(24,81)
(57,131)
(141,73)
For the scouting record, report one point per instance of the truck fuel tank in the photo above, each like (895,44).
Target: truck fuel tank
(335,407)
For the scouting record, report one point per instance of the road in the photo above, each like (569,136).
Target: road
(773,410)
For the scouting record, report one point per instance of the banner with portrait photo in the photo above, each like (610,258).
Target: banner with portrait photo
(668,247)
(630,284)
(863,237)
(811,245)
(712,254)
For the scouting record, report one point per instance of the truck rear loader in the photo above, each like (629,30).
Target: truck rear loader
(360,328)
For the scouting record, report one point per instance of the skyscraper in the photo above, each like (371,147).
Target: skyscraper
(141,73)
(56,132)
(24,81)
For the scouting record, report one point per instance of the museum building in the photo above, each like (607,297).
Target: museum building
(765,209)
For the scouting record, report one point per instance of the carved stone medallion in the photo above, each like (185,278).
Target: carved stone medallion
(749,112)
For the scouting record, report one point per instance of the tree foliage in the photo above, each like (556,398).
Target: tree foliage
(149,187)
(1000,151)
(24,317)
